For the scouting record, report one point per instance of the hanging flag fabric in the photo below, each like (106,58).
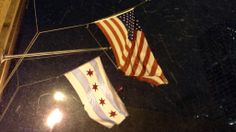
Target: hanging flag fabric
(130,47)
(97,94)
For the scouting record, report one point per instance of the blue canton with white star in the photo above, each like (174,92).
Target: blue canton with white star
(130,23)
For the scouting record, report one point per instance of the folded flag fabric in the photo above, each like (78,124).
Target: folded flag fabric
(130,48)
(100,100)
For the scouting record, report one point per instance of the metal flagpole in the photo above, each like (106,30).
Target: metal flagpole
(85,24)
(51,53)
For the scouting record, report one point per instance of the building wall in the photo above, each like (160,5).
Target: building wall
(10,17)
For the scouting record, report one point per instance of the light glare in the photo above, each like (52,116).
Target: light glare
(59,96)
(231,123)
(54,118)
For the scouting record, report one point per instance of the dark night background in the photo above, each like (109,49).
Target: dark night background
(193,41)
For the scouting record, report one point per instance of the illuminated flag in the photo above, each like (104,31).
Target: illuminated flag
(97,94)
(130,48)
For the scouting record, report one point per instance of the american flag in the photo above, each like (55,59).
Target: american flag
(98,96)
(130,47)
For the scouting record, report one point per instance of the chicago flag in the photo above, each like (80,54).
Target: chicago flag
(100,100)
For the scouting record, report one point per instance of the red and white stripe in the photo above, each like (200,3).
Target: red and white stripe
(134,58)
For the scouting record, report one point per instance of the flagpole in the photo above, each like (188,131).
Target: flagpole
(85,24)
(51,53)
(122,12)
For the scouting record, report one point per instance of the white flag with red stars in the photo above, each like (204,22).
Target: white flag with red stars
(97,94)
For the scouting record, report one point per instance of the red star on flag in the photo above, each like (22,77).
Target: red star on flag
(112,114)
(102,101)
(90,72)
(95,87)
